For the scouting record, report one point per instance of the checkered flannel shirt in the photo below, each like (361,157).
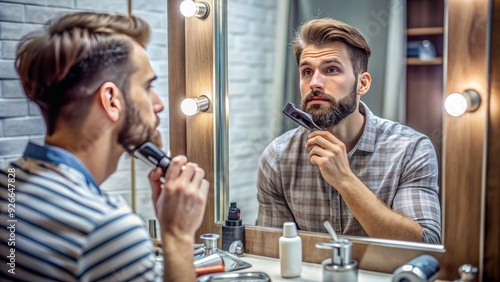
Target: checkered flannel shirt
(397,163)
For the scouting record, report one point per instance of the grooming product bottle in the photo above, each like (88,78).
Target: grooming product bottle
(210,242)
(290,251)
(420,269)
(467,272)
(209,264)
(233,230)
(341,266)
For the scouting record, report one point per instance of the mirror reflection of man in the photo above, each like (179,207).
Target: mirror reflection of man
(366,175)
(92,80)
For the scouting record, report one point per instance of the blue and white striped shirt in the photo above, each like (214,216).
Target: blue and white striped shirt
(57,225)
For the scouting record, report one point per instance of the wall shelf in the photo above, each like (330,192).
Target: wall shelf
(418,62)
(425,20)
(419,31)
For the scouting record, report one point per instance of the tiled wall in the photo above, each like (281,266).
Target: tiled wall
(20,120)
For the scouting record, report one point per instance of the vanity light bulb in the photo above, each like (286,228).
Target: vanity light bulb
(190,8)
(189,106)
(455,104)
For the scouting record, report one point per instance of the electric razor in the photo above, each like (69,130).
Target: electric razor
(153,156)
(300,117)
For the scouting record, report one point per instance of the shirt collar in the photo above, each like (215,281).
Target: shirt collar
(367,141)
(56,155)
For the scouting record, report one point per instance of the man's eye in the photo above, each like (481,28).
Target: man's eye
(306,72)
(332,70)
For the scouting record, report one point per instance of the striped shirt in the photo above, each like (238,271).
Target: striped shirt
(57,225)
(397,163)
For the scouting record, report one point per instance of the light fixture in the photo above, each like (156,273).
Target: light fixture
(191,106)
(190,8)
(456,104)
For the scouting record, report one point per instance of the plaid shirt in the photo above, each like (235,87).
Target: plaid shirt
(397,163)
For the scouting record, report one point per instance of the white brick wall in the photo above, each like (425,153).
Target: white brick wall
(251,25)
(251,41)
(20,120)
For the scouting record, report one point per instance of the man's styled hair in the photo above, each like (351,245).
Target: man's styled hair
(62,67)
(323,31)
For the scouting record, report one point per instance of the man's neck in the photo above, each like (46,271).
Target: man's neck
(100,155)
(350,129)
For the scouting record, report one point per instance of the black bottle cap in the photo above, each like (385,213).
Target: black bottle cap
(233,215)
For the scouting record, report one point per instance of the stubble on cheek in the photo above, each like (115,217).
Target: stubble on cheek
(156,139)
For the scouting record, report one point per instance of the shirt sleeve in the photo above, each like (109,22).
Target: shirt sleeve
(118,249)
(418,193)
(273,208)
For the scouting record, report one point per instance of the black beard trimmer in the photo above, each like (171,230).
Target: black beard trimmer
(300,117)
(153,156)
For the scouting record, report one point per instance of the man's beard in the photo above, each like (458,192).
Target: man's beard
(328,117)
(134,131)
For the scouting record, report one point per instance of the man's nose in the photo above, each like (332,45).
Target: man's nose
(157,103)
(317,82)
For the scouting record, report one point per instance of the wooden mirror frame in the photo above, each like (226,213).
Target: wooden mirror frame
(471,180)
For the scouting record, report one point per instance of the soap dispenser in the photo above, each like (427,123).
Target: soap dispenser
(341,266)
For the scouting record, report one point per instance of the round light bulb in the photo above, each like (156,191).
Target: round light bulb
(455,104)
(189,106)
(188,8)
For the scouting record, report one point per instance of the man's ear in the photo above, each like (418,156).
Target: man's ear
(365,80)
(110,95)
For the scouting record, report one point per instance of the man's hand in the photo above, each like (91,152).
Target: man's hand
(179,203)
(329,154)
(378,220)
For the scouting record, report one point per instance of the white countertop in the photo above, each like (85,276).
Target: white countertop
(310,271)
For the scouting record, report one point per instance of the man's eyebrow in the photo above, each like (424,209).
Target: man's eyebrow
(303,63)
(335,61)
(323,62)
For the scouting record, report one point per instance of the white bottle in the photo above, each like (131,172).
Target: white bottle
(290,251)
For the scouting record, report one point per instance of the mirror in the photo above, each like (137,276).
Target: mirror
(262,75)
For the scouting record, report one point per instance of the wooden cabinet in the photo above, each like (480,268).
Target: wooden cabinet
(424,79)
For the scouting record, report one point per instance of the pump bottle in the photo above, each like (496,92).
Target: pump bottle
(290,251)
(233,230)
